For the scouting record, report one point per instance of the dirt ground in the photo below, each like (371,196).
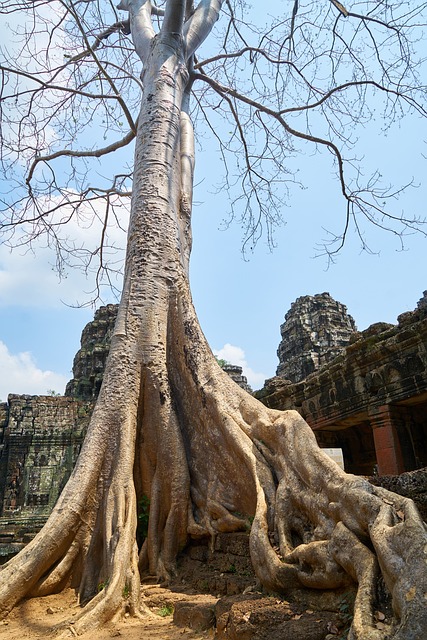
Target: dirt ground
(268,617)
(42,617)
(211,588)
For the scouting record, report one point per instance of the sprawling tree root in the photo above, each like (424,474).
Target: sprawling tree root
(170,425)
(208,454)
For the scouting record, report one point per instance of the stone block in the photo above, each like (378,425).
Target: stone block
(234,543)
(198,552)
(388,462)
(384,437)
(198,616)
(256,617)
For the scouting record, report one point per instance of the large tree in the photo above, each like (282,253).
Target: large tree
(169,424)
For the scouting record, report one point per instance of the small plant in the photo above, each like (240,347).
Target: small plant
(248,520)
(82,412)
(102,585)
(222,363)
(232,569)
(346,611)
(166,610)
(143,516)
(204,585)
(126,592)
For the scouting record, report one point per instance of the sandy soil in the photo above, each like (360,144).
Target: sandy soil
(42,617)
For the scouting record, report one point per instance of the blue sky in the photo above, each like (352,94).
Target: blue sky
(240,303)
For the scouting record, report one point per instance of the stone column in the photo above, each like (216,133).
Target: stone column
(387,445)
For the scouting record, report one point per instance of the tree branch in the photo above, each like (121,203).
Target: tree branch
(354,199)
(363,83)
(122,25)
(102,69)
(57,87)
(140,24)
(96,153)
(173,22)
(200,24)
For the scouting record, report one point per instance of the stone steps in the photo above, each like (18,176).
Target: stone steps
(224,570)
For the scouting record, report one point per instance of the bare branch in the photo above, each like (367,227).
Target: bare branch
(95,153)
(60,88)
(140,24)
(173,21)
(200,24)
(102,69)
(363,83)
(121,26)
(340,8)
(355,199)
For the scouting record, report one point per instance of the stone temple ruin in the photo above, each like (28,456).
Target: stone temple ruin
(89,362)
(315,331)
(364,393)
(370,397)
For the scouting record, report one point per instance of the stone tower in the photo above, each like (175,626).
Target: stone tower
(315,330)
(89,361)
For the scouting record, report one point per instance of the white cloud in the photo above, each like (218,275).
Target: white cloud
(28,277)
(19,374)
(31,31)
(236,355)
(33,54)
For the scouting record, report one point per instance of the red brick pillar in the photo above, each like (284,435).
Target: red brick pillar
(387,446)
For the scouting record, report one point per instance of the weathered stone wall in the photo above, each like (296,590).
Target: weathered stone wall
(40,439)
(372,396)
(89,361)
(370,400)
(4,418)
(315,331)
(236,374)
(384,364)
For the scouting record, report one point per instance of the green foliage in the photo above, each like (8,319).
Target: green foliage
(248,520)
(126,592)
(166,610)
(204,585)
(248,523)
(143,516)
(102,585)
(221,362)
(53,393)
(346,607)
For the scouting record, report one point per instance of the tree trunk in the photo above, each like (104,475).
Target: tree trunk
(170,425)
